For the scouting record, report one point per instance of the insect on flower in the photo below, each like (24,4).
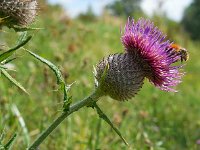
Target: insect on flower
(147,54)
(182,52)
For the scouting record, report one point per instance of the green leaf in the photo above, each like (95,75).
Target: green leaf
(60,80)
(103,116)
(102,79)
(11,79)
(9,60)
(20,29)
(8,53)
(22,37)
(10,142)
(53,67)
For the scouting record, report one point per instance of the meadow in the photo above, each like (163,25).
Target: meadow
(153,119)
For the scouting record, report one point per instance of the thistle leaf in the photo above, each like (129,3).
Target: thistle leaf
(9,60)
(22,29)
(53,67)
(11,79)
(8,53)
(10,142)
(103,116)
(22,37)
(60,80)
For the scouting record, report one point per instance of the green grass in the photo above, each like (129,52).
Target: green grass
(152,120)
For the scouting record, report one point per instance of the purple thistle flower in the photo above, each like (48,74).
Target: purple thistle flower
(143,38)
(147,54)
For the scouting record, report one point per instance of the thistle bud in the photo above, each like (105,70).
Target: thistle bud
(123,78)
(17,12)
(147,55)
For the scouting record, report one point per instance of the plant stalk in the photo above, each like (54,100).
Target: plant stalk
(75,107)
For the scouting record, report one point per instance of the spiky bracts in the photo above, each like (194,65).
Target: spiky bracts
(17,12)
(147,54)
(123,77)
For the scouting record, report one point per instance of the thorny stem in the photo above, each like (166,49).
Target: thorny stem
(85,102)
(90,101)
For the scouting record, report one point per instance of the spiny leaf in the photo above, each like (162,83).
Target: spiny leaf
(10,142)
(11,79)
(103,116)
(53,67)
(9,60)
(60,80)
(8,53)
(22,37)
(20,29)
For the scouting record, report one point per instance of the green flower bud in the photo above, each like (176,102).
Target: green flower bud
(120,76)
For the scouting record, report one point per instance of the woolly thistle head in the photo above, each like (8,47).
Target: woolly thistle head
(17,12)
(147,54)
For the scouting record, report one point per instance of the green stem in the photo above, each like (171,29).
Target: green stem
(85,102)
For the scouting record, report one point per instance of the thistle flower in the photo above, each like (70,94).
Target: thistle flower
(147,54)
(17,12)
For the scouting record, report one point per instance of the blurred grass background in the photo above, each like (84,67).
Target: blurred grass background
(152,120)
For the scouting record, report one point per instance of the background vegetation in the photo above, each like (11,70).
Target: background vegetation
(152,120)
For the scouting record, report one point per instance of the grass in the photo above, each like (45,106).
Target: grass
(152,120)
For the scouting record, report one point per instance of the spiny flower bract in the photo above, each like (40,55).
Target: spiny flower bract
(123,78)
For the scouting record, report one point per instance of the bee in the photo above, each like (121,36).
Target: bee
(184,55)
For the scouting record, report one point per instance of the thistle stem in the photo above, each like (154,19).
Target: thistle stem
(75,107)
